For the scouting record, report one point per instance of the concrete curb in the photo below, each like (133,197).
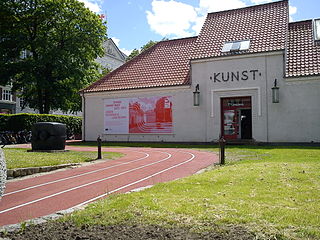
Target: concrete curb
(21,172)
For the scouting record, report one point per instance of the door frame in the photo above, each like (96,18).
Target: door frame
(237,110)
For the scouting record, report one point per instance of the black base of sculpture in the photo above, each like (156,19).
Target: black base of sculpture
(48,136)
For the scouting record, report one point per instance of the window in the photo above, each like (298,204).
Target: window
(21,102)
(6,95)
(317,29)
(235,46)
(23,54)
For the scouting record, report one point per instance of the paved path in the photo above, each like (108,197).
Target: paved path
(42,195)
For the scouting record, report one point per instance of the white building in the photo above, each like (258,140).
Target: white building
(257,77)
(113,57)
(7,100)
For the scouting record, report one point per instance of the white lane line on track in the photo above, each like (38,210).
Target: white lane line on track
(84,185)
(79,175)
(138,181)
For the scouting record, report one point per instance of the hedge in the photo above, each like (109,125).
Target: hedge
(24,121)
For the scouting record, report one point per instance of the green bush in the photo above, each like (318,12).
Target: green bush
(24,121)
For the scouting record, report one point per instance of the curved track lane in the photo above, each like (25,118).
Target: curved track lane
(42,195)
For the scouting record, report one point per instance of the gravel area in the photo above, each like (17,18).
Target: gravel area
(3,172)
(67,230)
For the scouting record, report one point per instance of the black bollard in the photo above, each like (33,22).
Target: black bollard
(222,143)
(99,148)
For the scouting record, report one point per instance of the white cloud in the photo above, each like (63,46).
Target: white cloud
(292,10)
(126,51)
(177,19)
(93,5)
(171,18)
(198,24)
(117,42)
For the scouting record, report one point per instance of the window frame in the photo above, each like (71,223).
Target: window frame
(7,95)
(236,46)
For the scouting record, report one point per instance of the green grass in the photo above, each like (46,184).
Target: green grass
(273,191)
(20,158)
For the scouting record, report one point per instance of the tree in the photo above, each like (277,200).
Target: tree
(61,39)
(105,71)
(136,52)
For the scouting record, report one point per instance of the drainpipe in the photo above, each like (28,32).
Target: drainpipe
(83,117)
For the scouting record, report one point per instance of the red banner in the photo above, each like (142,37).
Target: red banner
(139,115)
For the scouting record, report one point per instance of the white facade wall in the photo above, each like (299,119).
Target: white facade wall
(186,123)
(296,118)
(258,87)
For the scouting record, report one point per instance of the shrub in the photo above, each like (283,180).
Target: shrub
(24,121)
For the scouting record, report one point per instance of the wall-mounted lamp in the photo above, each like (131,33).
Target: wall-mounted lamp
(196,96)
(275,92)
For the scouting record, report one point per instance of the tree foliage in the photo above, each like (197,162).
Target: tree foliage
(136,52)
(61,39)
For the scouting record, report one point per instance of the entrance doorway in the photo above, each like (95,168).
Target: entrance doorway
(236,118)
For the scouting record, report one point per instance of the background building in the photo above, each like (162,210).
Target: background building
(113,57)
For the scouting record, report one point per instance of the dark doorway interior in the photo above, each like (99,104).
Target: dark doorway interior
(236,118)
(246,124)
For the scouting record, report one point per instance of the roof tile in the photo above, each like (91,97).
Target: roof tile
(168,62)
(164,64)
(303,52)
(264,25)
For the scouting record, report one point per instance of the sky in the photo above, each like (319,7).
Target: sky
(132,23)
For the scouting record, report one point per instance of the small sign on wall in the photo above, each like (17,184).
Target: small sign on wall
(138,115)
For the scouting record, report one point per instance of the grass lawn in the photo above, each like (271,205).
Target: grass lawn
(20,158)
(272,191)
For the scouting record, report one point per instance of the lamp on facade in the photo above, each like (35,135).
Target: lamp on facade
(275,92)
(196,96)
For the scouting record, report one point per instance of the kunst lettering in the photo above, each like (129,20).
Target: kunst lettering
(235,76)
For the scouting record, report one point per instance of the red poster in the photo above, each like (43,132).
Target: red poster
(138,115)
(150,115)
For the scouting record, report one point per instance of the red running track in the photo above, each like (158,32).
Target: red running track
(43,195)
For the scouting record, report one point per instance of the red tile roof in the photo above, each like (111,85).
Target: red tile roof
(303,52)
(264,25)
(164,64)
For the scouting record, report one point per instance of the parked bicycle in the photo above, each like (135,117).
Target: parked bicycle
(9,137)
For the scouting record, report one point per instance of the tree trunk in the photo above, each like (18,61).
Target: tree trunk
(46,102)
(40,105)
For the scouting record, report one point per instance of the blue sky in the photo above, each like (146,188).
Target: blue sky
(132,23)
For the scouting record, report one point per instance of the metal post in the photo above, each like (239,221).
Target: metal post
(99,148)
(222,143)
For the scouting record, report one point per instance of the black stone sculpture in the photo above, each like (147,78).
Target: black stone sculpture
(48,136)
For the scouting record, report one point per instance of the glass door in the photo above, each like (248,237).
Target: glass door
(232,117)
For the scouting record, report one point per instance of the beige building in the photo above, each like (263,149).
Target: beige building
(249,75)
